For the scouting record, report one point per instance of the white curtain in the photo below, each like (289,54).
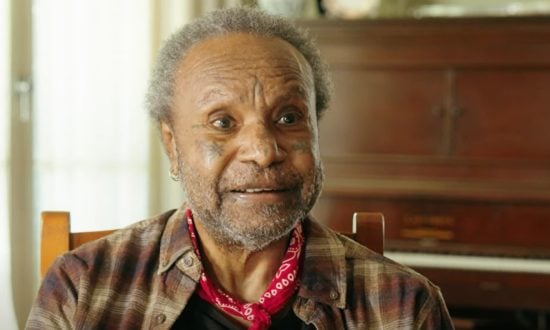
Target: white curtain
(94,150)
(7,313)
(91,134)
(92,139)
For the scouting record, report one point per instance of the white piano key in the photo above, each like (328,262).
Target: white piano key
(477,263)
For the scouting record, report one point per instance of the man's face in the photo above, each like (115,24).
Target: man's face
(244,138)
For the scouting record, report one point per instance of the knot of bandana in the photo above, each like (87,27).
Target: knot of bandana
(261,317)
(278,292)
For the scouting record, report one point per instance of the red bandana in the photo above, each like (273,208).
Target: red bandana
(278,292)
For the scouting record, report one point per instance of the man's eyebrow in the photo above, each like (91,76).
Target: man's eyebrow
(292,92)
(210,95)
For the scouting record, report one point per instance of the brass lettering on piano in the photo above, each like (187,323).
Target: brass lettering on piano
(427,227)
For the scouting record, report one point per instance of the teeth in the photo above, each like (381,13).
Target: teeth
(257,190)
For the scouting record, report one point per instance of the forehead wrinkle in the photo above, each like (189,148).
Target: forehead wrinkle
(227,67)
(258,95)
(218,86)
(212,89)
(229,61)
(214,80)
(294,81)
(211,68)
(295,90)
(211,95)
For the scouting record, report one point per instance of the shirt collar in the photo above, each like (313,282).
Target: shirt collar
(323,276)
(176,247)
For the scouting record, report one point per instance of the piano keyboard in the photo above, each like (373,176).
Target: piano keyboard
(469,262)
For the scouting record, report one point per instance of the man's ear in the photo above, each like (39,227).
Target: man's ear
(169,141)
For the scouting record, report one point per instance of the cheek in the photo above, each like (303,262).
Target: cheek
(209,154)
(305,155)
(306,144)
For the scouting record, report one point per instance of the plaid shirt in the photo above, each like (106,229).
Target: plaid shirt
(144,275)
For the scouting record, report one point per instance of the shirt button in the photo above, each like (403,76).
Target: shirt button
(317,287)
(334,294)
(160,318)
(188,261)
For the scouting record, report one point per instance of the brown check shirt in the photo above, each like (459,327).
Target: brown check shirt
(142,277)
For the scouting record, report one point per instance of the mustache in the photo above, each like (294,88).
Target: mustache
(253,176)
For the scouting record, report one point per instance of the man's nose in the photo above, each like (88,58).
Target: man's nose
(258,144)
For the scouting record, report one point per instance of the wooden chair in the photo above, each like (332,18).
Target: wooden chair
(56,237)
(368,230)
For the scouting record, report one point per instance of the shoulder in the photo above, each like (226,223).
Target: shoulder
(368,269)
(378,288)
(364,263)
(127,246)
(84,284)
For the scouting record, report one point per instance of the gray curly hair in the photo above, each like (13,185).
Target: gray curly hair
(224,21)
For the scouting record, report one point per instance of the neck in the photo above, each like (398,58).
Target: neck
(243,274)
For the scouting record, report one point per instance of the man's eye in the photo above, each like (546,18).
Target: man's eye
(289,118)
(223,123)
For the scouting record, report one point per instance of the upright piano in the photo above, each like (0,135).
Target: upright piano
(444,126)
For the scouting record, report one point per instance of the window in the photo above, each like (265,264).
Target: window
(91,137)
(7,314)
(91,132)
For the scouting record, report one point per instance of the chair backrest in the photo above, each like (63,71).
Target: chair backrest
(56,237)
(368,230)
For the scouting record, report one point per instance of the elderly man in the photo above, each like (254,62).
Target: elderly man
(237,96)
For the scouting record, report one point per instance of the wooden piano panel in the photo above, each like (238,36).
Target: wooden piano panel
(449,225)
(504,113)
(373,103)
(444,126)
(491,290)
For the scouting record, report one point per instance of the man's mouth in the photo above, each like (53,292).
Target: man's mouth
(258,190)
(261,194)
